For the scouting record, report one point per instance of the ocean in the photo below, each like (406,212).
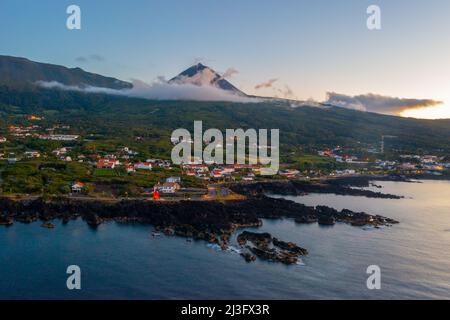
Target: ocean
(123,261)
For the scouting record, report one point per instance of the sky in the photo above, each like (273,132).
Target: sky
(302,49)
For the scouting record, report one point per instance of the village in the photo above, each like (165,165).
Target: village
(155,176)
(63,161)
(404,164)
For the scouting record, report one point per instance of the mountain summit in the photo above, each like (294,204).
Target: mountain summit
(201,75)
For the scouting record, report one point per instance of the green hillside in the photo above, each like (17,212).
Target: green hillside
(300,128)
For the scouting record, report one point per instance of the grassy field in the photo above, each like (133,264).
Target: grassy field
(56,178)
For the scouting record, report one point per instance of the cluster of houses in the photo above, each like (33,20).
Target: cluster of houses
(345,158)
(195,169)
(406,163)
(205,172)
(170,186)
(23,131)
(416,164)
(111,162)
(59,137)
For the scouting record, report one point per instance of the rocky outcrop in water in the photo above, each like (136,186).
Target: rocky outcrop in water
(297,187)
(6,221)
(48,225)
(265,247)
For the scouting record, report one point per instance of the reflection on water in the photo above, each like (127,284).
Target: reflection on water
(414,255)
(124,261)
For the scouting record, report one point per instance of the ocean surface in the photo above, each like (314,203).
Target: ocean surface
(123,261)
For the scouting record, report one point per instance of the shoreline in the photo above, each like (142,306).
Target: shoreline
(338,186)
(212,221)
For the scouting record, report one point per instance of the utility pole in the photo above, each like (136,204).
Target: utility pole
(382,141)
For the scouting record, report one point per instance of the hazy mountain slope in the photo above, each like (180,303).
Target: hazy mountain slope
(16,71)
(299,127)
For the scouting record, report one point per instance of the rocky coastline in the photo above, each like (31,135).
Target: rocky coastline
(349,186)
(265,247)
(212,221)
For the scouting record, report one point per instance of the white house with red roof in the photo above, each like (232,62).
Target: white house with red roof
(143,166)
(78,187)
(106,163)
(217,173)
(168,187)
(196,167)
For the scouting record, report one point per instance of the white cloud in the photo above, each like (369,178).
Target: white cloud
(377,103)
(229,73)
(160,90)
(267,84)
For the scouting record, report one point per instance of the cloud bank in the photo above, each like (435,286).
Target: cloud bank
(377,103)
(160,90)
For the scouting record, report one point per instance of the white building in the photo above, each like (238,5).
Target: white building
(173,179)
(77,187)
(32,154)
(143,166)
(168,187)
(60,137)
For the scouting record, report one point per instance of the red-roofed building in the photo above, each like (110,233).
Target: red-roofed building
(78,186)
(196,167)
(217,173)
(106,163)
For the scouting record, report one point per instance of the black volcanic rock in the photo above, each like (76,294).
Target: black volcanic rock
(197,219)
(258,239)
(6,221)
(264,246)
(290,247)
(298,187)
(210,221)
